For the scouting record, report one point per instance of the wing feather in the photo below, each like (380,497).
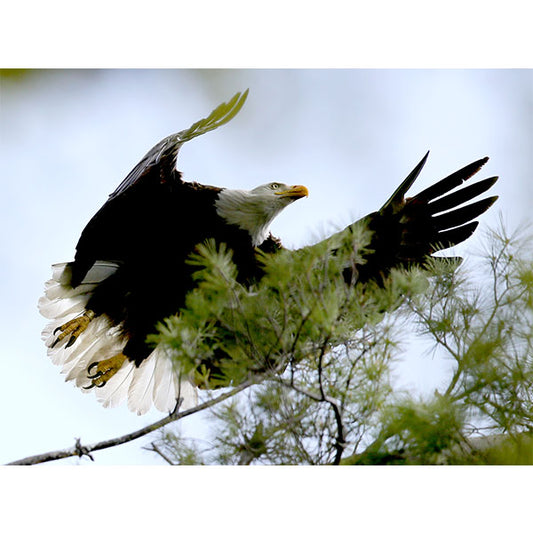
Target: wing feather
(407,231)
(460,197)
(165,153)
(463,215)
(452,181)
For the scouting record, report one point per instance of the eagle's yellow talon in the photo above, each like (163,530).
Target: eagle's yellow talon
(105,370)
(74,328)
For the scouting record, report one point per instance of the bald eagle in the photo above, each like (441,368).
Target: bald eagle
(131,267)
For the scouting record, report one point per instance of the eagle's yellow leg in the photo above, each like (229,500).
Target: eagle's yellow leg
(74,328)
(104,370)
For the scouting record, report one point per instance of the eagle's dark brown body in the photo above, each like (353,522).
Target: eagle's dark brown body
(150,231)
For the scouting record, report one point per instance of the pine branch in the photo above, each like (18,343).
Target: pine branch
(340,442)
(78,450)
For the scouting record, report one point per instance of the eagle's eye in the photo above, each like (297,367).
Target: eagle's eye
(274,186)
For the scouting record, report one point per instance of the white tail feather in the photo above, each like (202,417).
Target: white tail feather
(59,307)
(142,385)
(168,388)
(166,383)
(116,389)
(155,382)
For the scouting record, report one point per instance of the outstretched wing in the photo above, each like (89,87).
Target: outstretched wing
(164,154)
(406,231)
(134,214)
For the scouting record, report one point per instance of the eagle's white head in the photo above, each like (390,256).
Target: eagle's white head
(254,210)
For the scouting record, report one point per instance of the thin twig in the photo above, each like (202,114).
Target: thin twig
(154,448)
(340,442)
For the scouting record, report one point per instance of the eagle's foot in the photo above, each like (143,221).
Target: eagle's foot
(74,328)
(105,370)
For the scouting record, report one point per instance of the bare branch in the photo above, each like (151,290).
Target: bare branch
(154,448)
(79,451)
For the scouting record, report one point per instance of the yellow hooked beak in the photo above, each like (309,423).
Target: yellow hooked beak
(296,191)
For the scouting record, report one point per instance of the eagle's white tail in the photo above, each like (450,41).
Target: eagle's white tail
(155,382)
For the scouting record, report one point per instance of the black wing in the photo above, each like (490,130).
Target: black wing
(406,231)
(138,209)
(164,154)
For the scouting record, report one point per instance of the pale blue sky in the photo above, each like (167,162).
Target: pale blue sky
(69,137)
